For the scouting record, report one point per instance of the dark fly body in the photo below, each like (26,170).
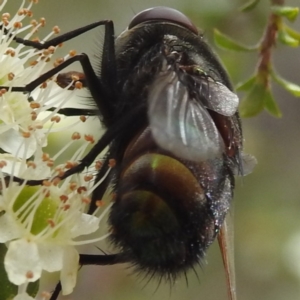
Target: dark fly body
(173,129)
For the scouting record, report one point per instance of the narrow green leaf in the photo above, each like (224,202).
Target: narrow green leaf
(291,87)
(246,85)
(288,12)
(291,32)
(286,39)
(225,42)
(270,104)
(7,290)
(253,103)
(249,5)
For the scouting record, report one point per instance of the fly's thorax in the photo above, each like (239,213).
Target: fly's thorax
(146,40)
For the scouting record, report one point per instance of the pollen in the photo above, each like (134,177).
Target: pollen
(29,13)
(89,138)
(45,156)
(70,164)
(112,163)
(88,178)
(56,29)
(38,125)
(36,39)
(31,164)
(50,163)
(10,76)
(43,85)
(18,25)
(34,104)
(21,12)
(86,200)
(73,186)
(2,92)
(78,85)
(34,23)
(26,134)
(42,22)
(58,61)
(99,203)
(56,119)
(98,165)
(47,183)
(46,52)
(33,115)
(76,136)
(66,207)
(72,53)
(56,181)
(81,189)
(64,198)
(5,22)
(82,118)
(3,164)
(59,170)
(6,16)
(29,274)
(51,223)
(51,49)
(33,63)
(10,52)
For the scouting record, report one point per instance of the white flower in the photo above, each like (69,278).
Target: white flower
(41,225)
(22,122)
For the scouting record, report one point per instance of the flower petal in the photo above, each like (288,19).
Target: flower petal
(51,257)
(69,271)
(22,262)
(12,142)
(86,224)
(9,229)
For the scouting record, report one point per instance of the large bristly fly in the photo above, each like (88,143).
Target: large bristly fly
(173,129)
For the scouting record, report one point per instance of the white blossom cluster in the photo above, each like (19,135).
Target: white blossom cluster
(40,225)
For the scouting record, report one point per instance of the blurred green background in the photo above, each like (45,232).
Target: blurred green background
(267,202)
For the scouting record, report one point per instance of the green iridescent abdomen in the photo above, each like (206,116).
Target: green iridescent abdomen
(162,219)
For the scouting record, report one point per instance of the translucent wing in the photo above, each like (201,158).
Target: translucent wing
(216,96)
(246,166)
(180,123)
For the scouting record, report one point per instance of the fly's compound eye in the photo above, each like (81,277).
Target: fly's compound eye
(161,13)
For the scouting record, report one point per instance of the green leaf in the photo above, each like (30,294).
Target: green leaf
(225,42)
(286,39)
(288,12)
(291,32)
(253,103)
(270,104)
(291,87)
(7,290)
(249,5)
(246,85)
(33,288)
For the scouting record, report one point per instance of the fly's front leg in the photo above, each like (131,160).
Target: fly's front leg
(102,88)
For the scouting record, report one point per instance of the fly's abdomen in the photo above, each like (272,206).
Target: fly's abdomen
(161,218)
